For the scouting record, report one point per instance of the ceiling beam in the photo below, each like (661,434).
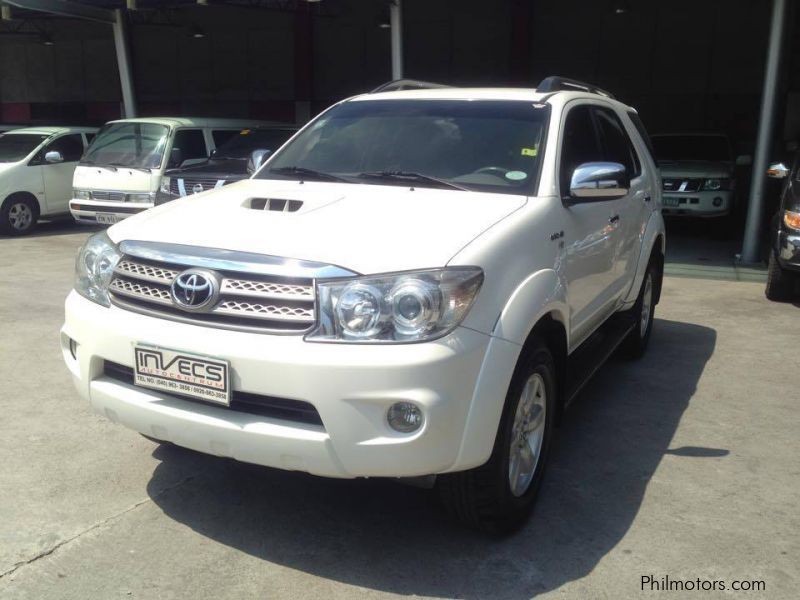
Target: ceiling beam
(65,8)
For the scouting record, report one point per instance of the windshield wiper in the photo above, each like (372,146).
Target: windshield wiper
(120,165)
(410,176)
(308,173)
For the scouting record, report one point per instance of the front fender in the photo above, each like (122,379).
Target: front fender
(542,293)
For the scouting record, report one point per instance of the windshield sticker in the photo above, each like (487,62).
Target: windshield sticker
(516,175)
(529,151)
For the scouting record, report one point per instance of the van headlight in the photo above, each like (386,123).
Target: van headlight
(94,268)
(716,184)
(81,194)
(164,187)
(397,307)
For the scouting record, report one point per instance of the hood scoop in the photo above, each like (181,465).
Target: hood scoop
(274,204)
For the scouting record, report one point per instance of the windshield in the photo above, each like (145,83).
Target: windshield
(691,147)
(484,145)
(240,146)
(137,145)
(16,146)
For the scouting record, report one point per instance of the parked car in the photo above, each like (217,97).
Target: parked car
(36,166)
(783,274)
(414,286)
(697,171)
(232,161)
(121,172)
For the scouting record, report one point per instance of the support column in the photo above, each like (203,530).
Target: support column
(124,63)
(396,22)
(766,125)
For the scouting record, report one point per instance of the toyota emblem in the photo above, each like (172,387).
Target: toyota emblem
(195,289)
(197,188)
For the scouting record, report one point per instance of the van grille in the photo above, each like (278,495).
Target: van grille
(245,300)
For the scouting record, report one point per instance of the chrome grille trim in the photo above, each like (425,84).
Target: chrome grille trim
(141,291)
(265,289)
(260,310)
(146,272)
(274,296)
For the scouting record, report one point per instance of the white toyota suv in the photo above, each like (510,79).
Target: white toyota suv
(414,286)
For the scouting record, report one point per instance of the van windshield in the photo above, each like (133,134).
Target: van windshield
(126,144)
(486,145)
(16,146)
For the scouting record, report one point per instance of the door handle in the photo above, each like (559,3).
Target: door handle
(614,219)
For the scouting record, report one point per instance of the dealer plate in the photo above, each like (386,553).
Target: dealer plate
(107,218)
(177,372)
(671,201)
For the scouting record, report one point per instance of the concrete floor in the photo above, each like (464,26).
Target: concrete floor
(684,464)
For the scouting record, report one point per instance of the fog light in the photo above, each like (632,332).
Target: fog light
(717,201)
(404,417)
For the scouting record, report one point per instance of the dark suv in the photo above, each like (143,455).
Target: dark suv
(784,256)
(233,160)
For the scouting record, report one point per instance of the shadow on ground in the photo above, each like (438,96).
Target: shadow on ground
(388,537)
(58,226)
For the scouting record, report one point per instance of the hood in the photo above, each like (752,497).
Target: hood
(96,177)
(696,168)
(364,228)
(213,169)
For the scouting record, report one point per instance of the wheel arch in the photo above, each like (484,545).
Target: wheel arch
(24,194)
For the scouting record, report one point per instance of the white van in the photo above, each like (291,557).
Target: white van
(121,171)
(36,165)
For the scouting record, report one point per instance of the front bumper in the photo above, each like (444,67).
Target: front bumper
(351,387)
(789,250)
(86,211)
(697,204)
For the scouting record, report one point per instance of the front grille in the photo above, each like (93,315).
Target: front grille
(108,196)
(682,184)
(256,404)
(246,300)
(189,183)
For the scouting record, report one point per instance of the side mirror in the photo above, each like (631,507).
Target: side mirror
(599,181)
(778,171)
(257,158)
(54,156)
(744,160)
(175,158)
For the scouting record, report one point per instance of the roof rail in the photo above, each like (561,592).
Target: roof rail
(407,84)
(554,83)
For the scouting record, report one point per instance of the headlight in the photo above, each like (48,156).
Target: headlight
(398,307)
(713,185)
(164,188)
(94,268)
(81,194)
(141,197)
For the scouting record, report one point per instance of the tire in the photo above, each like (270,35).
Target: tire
(18,214)
(484,497)
(643,312)
(779,282)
